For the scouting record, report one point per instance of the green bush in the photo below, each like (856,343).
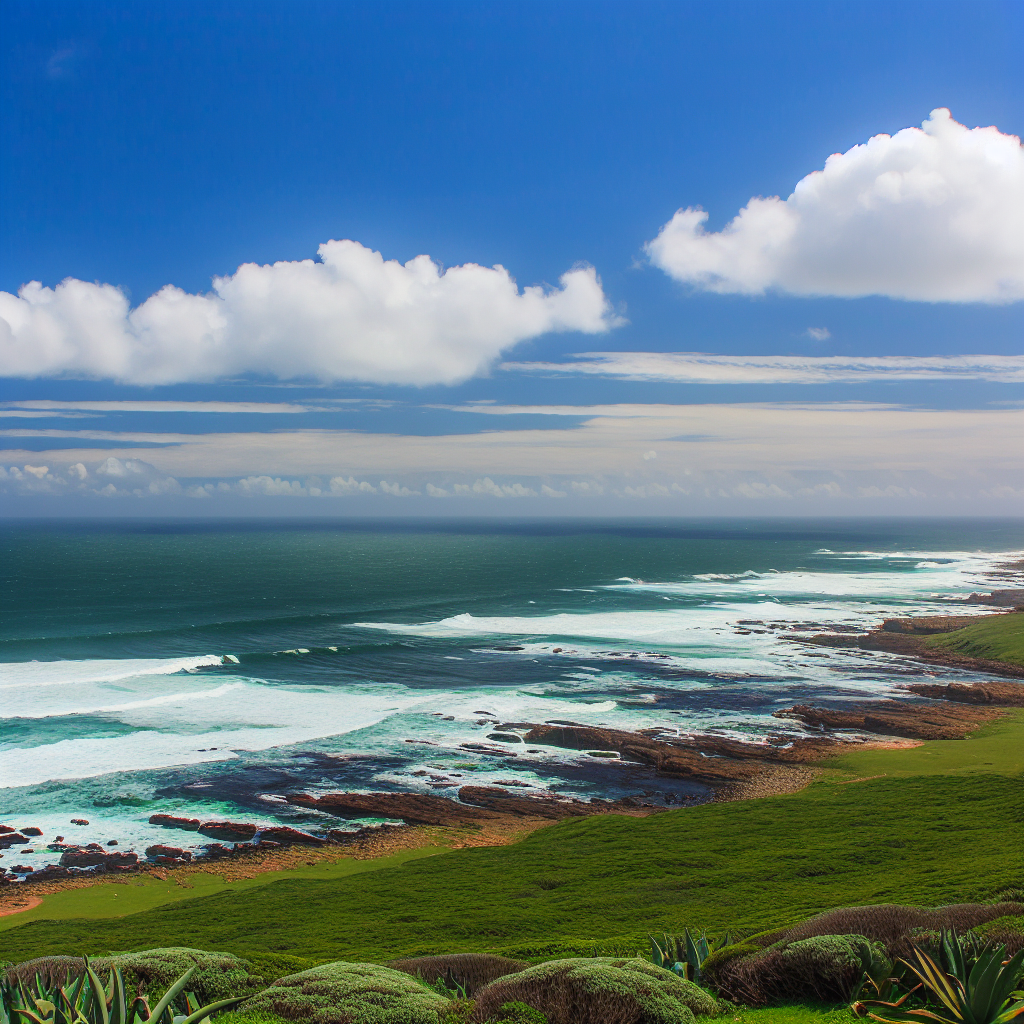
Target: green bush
(344,993)
(605,989)
(712,969)
(466,971)
(52,970)
(217,976)
(520,1013)
(823,968)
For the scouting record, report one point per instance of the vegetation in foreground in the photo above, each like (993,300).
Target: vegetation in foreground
(896,970)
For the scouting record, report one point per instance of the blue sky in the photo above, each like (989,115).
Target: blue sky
(160,144)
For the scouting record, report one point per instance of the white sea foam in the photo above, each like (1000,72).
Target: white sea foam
(208,723)
(71,673)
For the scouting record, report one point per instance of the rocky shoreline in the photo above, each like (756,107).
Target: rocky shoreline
(730,769)
(907,637)
(733,769)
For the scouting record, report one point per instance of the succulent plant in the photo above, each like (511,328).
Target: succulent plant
(89,1001)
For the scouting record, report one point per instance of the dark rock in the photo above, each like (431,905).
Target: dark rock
(174,852)
(20,869)
(6,828)
(999,598)
(173,821)
(50,873)
(111,842)
(895,718)
(79,821)
(78,857)
(289,837)
(496,799)
(412,808)
(997,694)
(231,831)
(31,831)
(12,839)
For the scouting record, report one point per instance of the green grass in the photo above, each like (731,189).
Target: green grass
(798,1014)
(144,892)
(998,748)
(1000,638)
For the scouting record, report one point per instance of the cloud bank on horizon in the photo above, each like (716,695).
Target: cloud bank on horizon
(934,214)
(352,316)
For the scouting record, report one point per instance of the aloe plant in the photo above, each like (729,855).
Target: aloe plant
(89,1001)
(685,954)
(983,993)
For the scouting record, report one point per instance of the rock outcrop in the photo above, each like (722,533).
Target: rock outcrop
(86,857)
(173,821)
(895,718)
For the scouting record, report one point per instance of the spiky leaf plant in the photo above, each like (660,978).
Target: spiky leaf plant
(685,954)
(984,995)
(89,1001)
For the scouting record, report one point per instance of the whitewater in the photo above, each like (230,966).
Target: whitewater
(209,669)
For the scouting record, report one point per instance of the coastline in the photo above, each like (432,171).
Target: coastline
(494,816)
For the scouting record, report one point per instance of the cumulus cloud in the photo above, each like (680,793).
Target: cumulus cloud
(704,368)
(934,214)
(351,316)
(111,478)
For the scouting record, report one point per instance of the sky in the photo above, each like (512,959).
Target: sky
(519,258)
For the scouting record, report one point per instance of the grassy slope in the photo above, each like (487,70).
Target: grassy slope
(944,824)
(1000,638)
(133,894)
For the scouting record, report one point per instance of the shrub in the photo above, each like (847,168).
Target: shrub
(467,971)
(894,925)
(1004,931)
(605,989)
(715,971)
(344,993)
(52,970)
(217,975)
(520,1013)
(822,968)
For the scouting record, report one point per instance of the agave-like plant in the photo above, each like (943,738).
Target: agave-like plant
(985,994)
(89,1001)
(880,977)
(685,954)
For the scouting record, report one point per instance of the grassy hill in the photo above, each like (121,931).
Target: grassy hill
(936,824)
(1000,638)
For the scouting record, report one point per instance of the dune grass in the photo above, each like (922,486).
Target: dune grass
(943,825)
(1000,638)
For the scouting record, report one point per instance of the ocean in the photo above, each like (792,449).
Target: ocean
(208,668)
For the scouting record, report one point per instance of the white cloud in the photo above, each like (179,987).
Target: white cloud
(819,333)
(396,490)
(487,487)
(550,492)
(341,485)
(352,316)
(933,214)
(704,368)
(862,456)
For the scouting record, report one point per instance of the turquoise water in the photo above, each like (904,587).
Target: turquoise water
(209,668)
